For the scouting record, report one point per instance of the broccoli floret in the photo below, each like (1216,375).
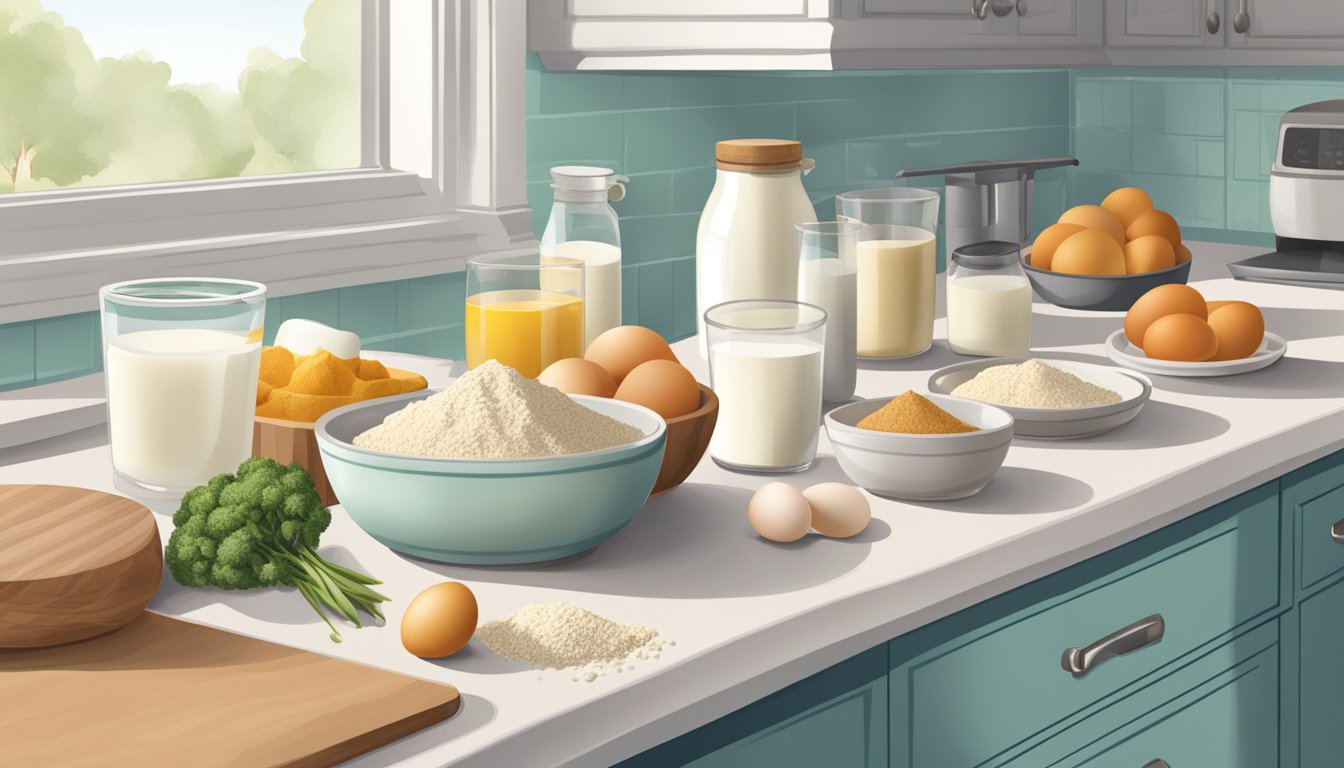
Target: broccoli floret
(258,528)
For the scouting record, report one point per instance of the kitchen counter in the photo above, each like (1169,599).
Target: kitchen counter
(750,617)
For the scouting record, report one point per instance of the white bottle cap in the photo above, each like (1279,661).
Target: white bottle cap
(589,180)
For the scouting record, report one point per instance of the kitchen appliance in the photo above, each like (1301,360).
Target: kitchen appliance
(1306,184)
(989,200)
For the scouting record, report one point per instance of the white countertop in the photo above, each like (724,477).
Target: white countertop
(750,617)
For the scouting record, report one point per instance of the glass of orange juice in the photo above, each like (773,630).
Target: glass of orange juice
(524,311)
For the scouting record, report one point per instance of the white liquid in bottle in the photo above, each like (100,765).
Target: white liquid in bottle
(989,315)
(601,283)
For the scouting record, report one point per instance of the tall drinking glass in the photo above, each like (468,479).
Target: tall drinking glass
(181,357)
(524,311)
(765,363)
(827,278)
(896,257)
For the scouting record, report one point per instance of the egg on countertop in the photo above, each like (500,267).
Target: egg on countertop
(1096,217)
(576,376)
(622,349)
(779,512)
(1043,250)
(1170,299)
(439,621)
(1239,326)
(1180,337)
(1148,254)
(838,510)
(662,386)
(1090,252)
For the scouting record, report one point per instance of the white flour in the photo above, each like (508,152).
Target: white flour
(494,412)
(565,636)
(1034,384)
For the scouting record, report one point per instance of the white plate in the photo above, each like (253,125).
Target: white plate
(1134,390)
(1121,351)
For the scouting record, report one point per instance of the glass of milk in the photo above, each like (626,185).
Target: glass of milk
(180,357)
(897,262)
(765,364)
(988,301)
(827,278)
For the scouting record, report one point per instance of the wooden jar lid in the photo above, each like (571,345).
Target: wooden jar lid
(759,155)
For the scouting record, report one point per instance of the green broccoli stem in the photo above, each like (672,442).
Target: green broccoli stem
(323,583)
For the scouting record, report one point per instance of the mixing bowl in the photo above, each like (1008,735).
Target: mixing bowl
(489,510)
(1110,293)
(921,467)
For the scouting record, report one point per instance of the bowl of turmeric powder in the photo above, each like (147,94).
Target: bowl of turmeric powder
(917,447)
(294,391)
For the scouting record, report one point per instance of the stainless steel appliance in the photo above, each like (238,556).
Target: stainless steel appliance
(989,200)
(1306,201)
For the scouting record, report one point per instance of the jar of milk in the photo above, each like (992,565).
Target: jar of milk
(988,301)
(744,247)
(583,227)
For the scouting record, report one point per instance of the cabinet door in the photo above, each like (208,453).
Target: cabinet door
(1287,24)
(952,24)
(1321,678)
(1165,23)
(1059,22)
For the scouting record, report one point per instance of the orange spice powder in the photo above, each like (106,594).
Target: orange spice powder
(913,414)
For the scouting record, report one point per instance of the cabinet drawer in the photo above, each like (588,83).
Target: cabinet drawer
(971,699)
(1220,712)
(1314,497)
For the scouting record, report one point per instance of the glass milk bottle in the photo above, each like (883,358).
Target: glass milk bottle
(745,247)
(988,301)
(583,227)
(827,279)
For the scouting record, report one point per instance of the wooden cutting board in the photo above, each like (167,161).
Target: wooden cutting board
(164,692)
(74,563)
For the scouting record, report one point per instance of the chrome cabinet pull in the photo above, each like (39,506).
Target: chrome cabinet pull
(1242,21)
(1337,532)
(1141,633)
(1021,7)
(980,9)
(1213,22)
(1158,763)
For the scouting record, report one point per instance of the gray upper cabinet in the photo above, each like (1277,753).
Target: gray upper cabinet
(1293,24)
(961,24)
(1165,23)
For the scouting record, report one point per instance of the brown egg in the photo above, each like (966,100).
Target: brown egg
(621,349)
(1240,327)
(1170,299)
(1096,217)
(1090,252)
(1148,254)
(1129,203)
(439,621)
(1212,305)
(663,387)
(1043,250)
(576,376)
(1182,254)
(1155,222)
(1184,338)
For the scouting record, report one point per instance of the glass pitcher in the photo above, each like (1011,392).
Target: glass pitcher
(583,227)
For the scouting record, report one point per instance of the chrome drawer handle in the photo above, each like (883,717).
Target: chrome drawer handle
(1158,763)
(1337,532)
(1120,642)
(1242,21)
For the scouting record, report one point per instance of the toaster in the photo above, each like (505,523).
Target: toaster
(1306,201)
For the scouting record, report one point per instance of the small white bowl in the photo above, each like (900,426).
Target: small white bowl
(921,467)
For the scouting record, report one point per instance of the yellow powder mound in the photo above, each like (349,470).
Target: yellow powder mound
(303,387)
(912,414)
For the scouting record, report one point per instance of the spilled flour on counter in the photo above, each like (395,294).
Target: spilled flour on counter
(565,636)
(494,412)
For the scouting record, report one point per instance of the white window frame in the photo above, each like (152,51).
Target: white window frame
(314,231)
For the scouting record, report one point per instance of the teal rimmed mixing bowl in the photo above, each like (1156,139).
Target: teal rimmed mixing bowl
(489,510)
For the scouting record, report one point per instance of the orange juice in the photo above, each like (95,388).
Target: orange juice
(524,329)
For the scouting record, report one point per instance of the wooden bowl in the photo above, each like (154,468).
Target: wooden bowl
(687,438)
(292,441)
(74,564)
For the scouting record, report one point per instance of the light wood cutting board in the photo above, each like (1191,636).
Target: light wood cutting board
(164,692)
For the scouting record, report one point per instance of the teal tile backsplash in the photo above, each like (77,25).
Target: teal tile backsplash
(1200,140)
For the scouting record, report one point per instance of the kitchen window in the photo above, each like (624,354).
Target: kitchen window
(309,144)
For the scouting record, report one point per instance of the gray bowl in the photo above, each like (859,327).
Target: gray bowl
(489,510)
(1100,293)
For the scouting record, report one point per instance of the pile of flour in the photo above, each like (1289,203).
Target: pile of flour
(1034,384)
(494,412)
(565,636)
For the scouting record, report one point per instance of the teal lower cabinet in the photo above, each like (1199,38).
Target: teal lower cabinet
(834,719)
(1216,642)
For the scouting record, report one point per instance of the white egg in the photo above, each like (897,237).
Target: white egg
(838,510)
(779,512)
